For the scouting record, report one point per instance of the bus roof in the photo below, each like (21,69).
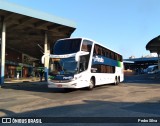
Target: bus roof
(92,41)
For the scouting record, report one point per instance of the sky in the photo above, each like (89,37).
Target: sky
(125,26)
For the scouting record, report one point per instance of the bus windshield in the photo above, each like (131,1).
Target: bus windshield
(63,66)
(67,46)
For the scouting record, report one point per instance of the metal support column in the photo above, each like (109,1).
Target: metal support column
(46,51)
(3,46)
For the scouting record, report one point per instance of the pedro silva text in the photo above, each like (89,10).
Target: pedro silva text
(147,120)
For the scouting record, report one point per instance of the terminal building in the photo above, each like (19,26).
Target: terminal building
(26,35)
(142,63)
(139,63)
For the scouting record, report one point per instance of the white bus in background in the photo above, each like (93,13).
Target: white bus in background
(80,62)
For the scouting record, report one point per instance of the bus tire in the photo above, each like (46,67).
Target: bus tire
(118,80)
(115,81)
(91,84)
(66,90)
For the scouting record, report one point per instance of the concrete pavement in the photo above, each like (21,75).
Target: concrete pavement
(129,99)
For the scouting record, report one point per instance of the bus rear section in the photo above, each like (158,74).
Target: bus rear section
(107,66)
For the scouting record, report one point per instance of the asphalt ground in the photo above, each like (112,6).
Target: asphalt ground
(137,96)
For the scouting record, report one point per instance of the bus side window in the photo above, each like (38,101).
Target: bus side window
(83,65)
(86,46)
(121,58)
(107,53)
(95,51)
(104,52)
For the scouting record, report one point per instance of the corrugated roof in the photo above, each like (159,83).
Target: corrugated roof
(4,5)
(142,59)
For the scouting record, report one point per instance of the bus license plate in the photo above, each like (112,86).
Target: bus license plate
(59,85)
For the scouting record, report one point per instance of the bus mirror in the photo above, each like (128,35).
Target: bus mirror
(43,58)
(77,57)
(81,53)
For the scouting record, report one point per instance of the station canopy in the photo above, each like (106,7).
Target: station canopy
(154,45)
(26,28)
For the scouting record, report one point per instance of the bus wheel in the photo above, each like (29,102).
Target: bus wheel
(118,80)
(91,84)
(115,81)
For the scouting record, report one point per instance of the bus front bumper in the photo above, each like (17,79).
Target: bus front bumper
(73,84)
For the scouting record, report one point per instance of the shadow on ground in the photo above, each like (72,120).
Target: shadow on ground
(91,108)
(35,87)
(42,87)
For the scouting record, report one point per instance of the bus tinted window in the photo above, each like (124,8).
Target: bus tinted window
(95,50)
(98,68)
(67,46)
(86,46)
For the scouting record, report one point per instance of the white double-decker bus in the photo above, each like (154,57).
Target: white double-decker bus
(81,62)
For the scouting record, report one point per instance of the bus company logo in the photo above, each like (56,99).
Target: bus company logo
(98,59)
(68,78)
(6,120)
(51,77)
